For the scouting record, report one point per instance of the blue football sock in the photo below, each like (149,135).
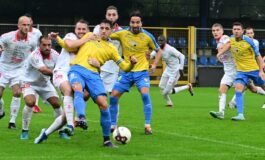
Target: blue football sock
(147,107)
(105,122)
(239,102)
(79,103)
(114,109)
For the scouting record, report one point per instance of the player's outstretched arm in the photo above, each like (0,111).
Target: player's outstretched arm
(77,43)
(261,64)
(157,58)
(222,50)
(45,70)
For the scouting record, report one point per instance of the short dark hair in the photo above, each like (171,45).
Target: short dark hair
(82,21)
(43,37)
(238,24)
(249,28)
(107,21)
(111,8)
(135,13)
(217,25)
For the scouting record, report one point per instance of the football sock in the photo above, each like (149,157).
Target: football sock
(69,109)
(27,114)
(181,88)
(14,109)
(233,99)
(168,88)
(239,102)
(222,102)
(147,107)
(106,138)
(1,106)
(105,122)
(167,98)
(114,110)
(260,91)
(58,123)
(37,99)
(79,104)
(57,112)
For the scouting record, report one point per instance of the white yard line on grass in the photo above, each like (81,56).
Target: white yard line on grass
(202,139)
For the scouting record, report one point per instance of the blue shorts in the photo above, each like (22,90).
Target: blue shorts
(88,79)
(126,80)
(244,77)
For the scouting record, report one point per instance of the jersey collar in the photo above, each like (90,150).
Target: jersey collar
(44,57)
(116,27)
(18,38)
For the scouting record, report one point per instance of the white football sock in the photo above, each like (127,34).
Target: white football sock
(233,100)
(37,99)
(181,88)
(27,114)
(167,98)
(57,112)
(14,109)
(1,106)
(69,109)
(58,123)
(260,91)
(222,102)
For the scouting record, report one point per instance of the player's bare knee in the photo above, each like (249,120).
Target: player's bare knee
(102,102)
(103,107)
(1,91)
(30,102)
(115,94)
(86,95)
(54,101)
(144,90)
(67,92)
(77,87)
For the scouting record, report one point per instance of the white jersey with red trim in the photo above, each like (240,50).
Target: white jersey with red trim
(110,66)
(227,57)
(15,50)
(36,33)
(34,62)
(173,58)
(64,59)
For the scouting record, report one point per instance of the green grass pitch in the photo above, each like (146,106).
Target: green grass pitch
(185,131)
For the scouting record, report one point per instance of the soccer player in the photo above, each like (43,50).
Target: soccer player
(15,47)
(229,76)
(84,75)
(36,79)
(36,33)
(110,70)
(249,64)
(174,63)
(60,78)
(255,89)
(136,42)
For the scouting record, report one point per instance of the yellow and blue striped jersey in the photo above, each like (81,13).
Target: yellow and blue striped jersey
(244,52)
(102,51)
(136,45)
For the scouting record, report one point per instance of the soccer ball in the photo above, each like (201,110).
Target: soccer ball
(122,135)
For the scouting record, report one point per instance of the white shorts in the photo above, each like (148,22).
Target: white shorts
(59,77)
(228,79)
(168,79)
(10,78)
(109,79)
(45,90)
